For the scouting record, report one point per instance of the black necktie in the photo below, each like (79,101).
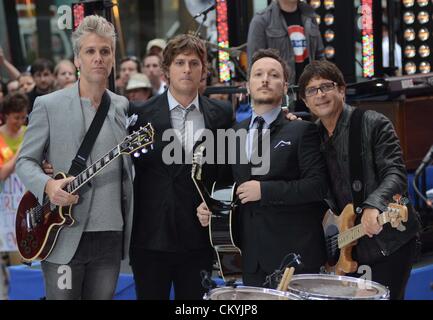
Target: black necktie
(257,146)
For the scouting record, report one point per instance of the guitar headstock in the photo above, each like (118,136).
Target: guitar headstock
(397,212)
(197,162)
(138,140)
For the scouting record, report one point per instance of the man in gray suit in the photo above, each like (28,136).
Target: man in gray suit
(85,261)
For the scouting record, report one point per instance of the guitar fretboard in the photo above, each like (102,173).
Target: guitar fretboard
(92,170)
(350,235)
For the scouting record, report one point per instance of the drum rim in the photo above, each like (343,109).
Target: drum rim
(385,294)
(283,294)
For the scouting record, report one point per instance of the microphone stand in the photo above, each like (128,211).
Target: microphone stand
(197,32)
(421,169)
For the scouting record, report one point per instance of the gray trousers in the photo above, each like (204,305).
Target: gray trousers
(92,273)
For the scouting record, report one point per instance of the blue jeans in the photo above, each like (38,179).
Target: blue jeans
(91,274)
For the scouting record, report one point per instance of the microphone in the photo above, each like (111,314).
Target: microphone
(424,163)
(205,11)
(272,280)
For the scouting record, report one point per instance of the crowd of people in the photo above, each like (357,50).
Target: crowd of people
(153,213)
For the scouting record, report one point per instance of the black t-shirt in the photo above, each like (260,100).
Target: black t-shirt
(296,32)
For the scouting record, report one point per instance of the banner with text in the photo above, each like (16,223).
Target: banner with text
(11,192)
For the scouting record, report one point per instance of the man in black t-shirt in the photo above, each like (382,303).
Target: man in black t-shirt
(290,27)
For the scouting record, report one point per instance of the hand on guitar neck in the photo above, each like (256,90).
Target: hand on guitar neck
(58,196)
(369,222)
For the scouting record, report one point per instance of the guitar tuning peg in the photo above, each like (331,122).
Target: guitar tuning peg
(136,154)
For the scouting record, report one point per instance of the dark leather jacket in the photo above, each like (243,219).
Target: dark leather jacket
(384,176)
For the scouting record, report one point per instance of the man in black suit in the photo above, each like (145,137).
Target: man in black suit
(168,244)
(282,209)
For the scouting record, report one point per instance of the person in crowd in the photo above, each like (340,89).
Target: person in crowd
(388,252)
(26,82)
(139,88)
(65,73)
(12,131)
(289,26)
(127,67)
(156,46)
(152,69)
(42,71)
(3,92)
(12,86)
(11,136)
(12,72)
(94,246)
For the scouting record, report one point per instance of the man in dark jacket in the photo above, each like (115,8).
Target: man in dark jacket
(282,208)
(290,27)
(387,251)
(168,245)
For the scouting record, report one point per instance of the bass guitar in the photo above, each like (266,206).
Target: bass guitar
(341,234)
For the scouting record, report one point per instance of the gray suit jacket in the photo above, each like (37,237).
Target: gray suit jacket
(55,132)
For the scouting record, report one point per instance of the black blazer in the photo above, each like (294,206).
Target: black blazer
(166,199)
(288,218)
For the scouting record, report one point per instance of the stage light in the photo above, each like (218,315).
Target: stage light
(328,19)
(409,34)
(423,17)
(224,62)
(424,51)
(329,52)
(423,34)
(410,68)
(408,3)
(424,67)
(422,3)
(417,55)
(329,35)
(409,51)
(315,4)
(409,17)
(329,4)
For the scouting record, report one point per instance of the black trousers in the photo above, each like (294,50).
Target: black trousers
(394,270)
(155,272)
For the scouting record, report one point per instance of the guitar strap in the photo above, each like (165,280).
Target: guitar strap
(79,163)
(355,159)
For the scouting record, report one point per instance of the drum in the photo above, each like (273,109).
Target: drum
(332,287)
(249,293)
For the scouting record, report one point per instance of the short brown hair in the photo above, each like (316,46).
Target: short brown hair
(15,102)
(270,53)
(320,69)
(183,43)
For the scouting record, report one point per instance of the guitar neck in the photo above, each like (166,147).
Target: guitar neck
(347,237)
(204,194)
(93,170)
